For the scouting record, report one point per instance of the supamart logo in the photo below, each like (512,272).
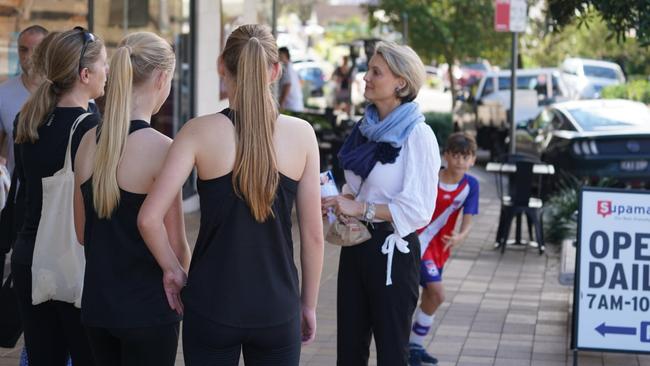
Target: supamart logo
(606,208)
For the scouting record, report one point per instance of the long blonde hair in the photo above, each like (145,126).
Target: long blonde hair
(134,62)
(58,60)
(249,53)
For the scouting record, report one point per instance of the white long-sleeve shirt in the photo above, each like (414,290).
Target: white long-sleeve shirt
(408,186)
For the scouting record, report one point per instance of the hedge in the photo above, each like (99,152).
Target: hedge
(638,90)
(441,124)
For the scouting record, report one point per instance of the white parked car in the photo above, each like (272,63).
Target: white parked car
(585,78)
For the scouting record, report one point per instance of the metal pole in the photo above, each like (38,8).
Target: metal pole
(405,27)
(125,17)
(274,18)
(91,15)
(513,88)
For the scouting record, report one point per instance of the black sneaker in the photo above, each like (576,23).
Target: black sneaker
(418,356)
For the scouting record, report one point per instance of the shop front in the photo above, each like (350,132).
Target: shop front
(196,28)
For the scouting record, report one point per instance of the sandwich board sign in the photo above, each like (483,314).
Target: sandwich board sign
(611,303)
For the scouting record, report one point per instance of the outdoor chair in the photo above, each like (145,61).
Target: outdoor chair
(519,201)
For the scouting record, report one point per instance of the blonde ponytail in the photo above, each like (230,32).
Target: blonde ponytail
(255,173)
(113,132)
(134,62)
(34,111)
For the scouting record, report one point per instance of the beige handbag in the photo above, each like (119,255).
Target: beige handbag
(350,233)
(347,234)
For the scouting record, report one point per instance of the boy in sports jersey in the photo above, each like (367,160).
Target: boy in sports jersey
(457,191)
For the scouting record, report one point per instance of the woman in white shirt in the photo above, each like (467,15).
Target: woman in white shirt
(391,161)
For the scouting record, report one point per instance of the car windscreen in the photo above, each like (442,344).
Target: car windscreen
(479,67)
(528,82)
(600,72)
(612,117)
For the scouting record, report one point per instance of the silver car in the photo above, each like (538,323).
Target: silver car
(585,78)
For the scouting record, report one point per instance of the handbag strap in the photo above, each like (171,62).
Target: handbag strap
(67,166)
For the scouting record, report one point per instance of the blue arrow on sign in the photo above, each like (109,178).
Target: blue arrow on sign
(604,329)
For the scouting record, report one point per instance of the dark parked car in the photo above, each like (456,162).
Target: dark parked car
(592,139)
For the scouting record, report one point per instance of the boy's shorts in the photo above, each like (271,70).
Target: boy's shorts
(429,272)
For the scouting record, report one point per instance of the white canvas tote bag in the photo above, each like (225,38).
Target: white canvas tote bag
(58,264)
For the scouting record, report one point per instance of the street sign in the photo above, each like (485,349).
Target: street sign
(502,15)
(611,304)
(510,15)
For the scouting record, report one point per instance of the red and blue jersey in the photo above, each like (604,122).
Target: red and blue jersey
(449,203)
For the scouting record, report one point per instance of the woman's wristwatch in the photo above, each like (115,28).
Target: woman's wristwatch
(369,213)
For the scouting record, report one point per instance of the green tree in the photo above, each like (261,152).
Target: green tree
(621,16)
(542,47)
(449,30)
(303,8)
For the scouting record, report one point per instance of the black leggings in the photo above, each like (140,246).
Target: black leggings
(146,346)
(206,343)
(52,329)
(365,305)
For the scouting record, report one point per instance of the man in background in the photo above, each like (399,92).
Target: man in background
(290,89)
(15,91)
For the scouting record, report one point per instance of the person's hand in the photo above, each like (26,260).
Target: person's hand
(3,161)
(173,283)
(342,206)
(308,325)
(451,241)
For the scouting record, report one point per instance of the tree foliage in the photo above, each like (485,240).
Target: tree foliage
(440,29)
(621,16)
(303,8)
(592,40)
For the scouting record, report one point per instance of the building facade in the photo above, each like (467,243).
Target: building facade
(196,28)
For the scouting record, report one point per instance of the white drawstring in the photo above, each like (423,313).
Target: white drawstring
(393,240)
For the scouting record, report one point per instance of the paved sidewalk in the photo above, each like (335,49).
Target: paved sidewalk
(500,309)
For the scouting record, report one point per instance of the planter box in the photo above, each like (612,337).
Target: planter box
(567,262)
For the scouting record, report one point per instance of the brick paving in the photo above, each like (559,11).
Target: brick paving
(500,310)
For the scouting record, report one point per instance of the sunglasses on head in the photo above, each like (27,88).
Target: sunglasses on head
(88,38)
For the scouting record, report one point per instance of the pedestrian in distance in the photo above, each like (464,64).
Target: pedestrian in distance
(242,293)
(457,191)
(124,308)
(13,94)
(15,91)
(291,98)
(343,76)
(391,162)
(75,70)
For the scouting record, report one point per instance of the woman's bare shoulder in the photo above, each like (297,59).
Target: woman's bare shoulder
(294,125)
(208,126)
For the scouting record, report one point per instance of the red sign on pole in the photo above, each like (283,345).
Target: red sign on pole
(502,16)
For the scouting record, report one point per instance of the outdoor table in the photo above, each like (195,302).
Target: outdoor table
(512,168)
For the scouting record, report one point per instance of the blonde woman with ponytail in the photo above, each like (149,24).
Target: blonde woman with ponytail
(242,293)
(123,307)
(74,71)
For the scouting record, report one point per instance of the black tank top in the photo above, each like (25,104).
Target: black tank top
(123,282)
(242,272)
